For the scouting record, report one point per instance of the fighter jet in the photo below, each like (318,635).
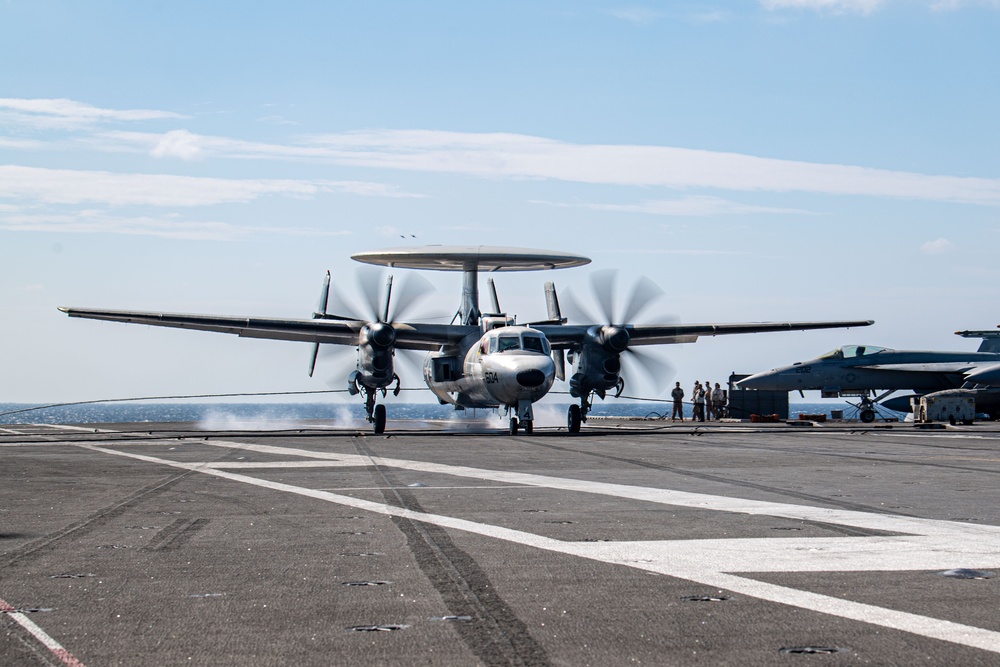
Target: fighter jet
(862,370)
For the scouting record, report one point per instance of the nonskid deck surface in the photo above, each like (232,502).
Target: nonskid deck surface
(634,542)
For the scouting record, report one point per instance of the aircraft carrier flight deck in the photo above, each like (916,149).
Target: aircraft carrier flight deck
(632,542)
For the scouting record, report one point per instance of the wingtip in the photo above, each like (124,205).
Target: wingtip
(63,309)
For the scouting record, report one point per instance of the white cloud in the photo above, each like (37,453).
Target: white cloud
(869,6)
(936,247)
(686,206)
(63,186)
(954,5)
(69,114)
(501,155)
(179,144)
(518,156)
(97,222)
(636,14)
(835,6)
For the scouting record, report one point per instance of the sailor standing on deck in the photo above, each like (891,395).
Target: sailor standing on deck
(709,413)
(678,395)
(698,397)
(717,401)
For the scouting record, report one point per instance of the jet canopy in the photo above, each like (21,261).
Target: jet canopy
(854,351)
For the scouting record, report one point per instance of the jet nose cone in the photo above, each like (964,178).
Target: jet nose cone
(531,378)
(752,382)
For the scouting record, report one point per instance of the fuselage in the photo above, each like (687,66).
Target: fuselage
(502,367)
(859,368)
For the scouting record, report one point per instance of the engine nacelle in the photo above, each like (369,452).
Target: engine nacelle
(598,362)
(376,343)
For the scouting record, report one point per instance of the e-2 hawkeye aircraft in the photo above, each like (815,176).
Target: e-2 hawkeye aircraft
(864,370)
(485,360)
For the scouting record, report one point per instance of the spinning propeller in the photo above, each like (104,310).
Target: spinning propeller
(379,309)
(614,316)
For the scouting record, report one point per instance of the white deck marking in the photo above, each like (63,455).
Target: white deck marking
(279,464)
(928,544)
(51,644)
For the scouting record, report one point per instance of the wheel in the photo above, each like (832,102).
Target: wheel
(573,419)
(529,426)
(867,416)
(379,418)
(513,425)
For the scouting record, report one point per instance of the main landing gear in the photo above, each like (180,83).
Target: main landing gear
(375,413)
(574,418)
(577,414)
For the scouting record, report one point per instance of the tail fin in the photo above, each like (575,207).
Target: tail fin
(991,339)
(555,315)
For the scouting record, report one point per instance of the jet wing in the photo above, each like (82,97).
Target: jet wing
(562,336)
(412,336)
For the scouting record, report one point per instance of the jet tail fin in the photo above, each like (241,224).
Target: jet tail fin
(991,339)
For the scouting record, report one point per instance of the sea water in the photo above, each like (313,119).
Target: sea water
(218,415)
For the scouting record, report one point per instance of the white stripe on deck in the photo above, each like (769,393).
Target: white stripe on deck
(928,545)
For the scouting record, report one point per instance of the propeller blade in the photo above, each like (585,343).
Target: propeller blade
(411,289)
(574,310)
(369,279)
(659,372)
(644,293)
(384,315)
(341,360)
(603,284)
(411,364)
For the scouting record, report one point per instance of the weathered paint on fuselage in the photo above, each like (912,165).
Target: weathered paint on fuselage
(489,380)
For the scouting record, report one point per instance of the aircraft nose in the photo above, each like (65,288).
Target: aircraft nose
(531,378)
(764,380)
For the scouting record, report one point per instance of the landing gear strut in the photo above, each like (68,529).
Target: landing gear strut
(375,414)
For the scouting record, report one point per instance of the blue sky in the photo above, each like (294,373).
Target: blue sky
(772,160)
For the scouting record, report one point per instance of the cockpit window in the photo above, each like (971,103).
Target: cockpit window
(853,351)
(533,344)
(861,350)
(505,343)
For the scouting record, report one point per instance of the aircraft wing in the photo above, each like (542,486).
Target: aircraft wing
(413,336)
(563,336)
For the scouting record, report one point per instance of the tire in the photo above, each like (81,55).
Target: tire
(867,416)
(379,419)
(573,419)
(513,425)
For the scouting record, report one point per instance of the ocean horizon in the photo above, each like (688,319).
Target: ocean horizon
(202,412)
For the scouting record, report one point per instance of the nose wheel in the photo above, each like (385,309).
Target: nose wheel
(514,425)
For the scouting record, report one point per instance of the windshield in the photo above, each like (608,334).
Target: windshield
(534,344)
(505,343)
